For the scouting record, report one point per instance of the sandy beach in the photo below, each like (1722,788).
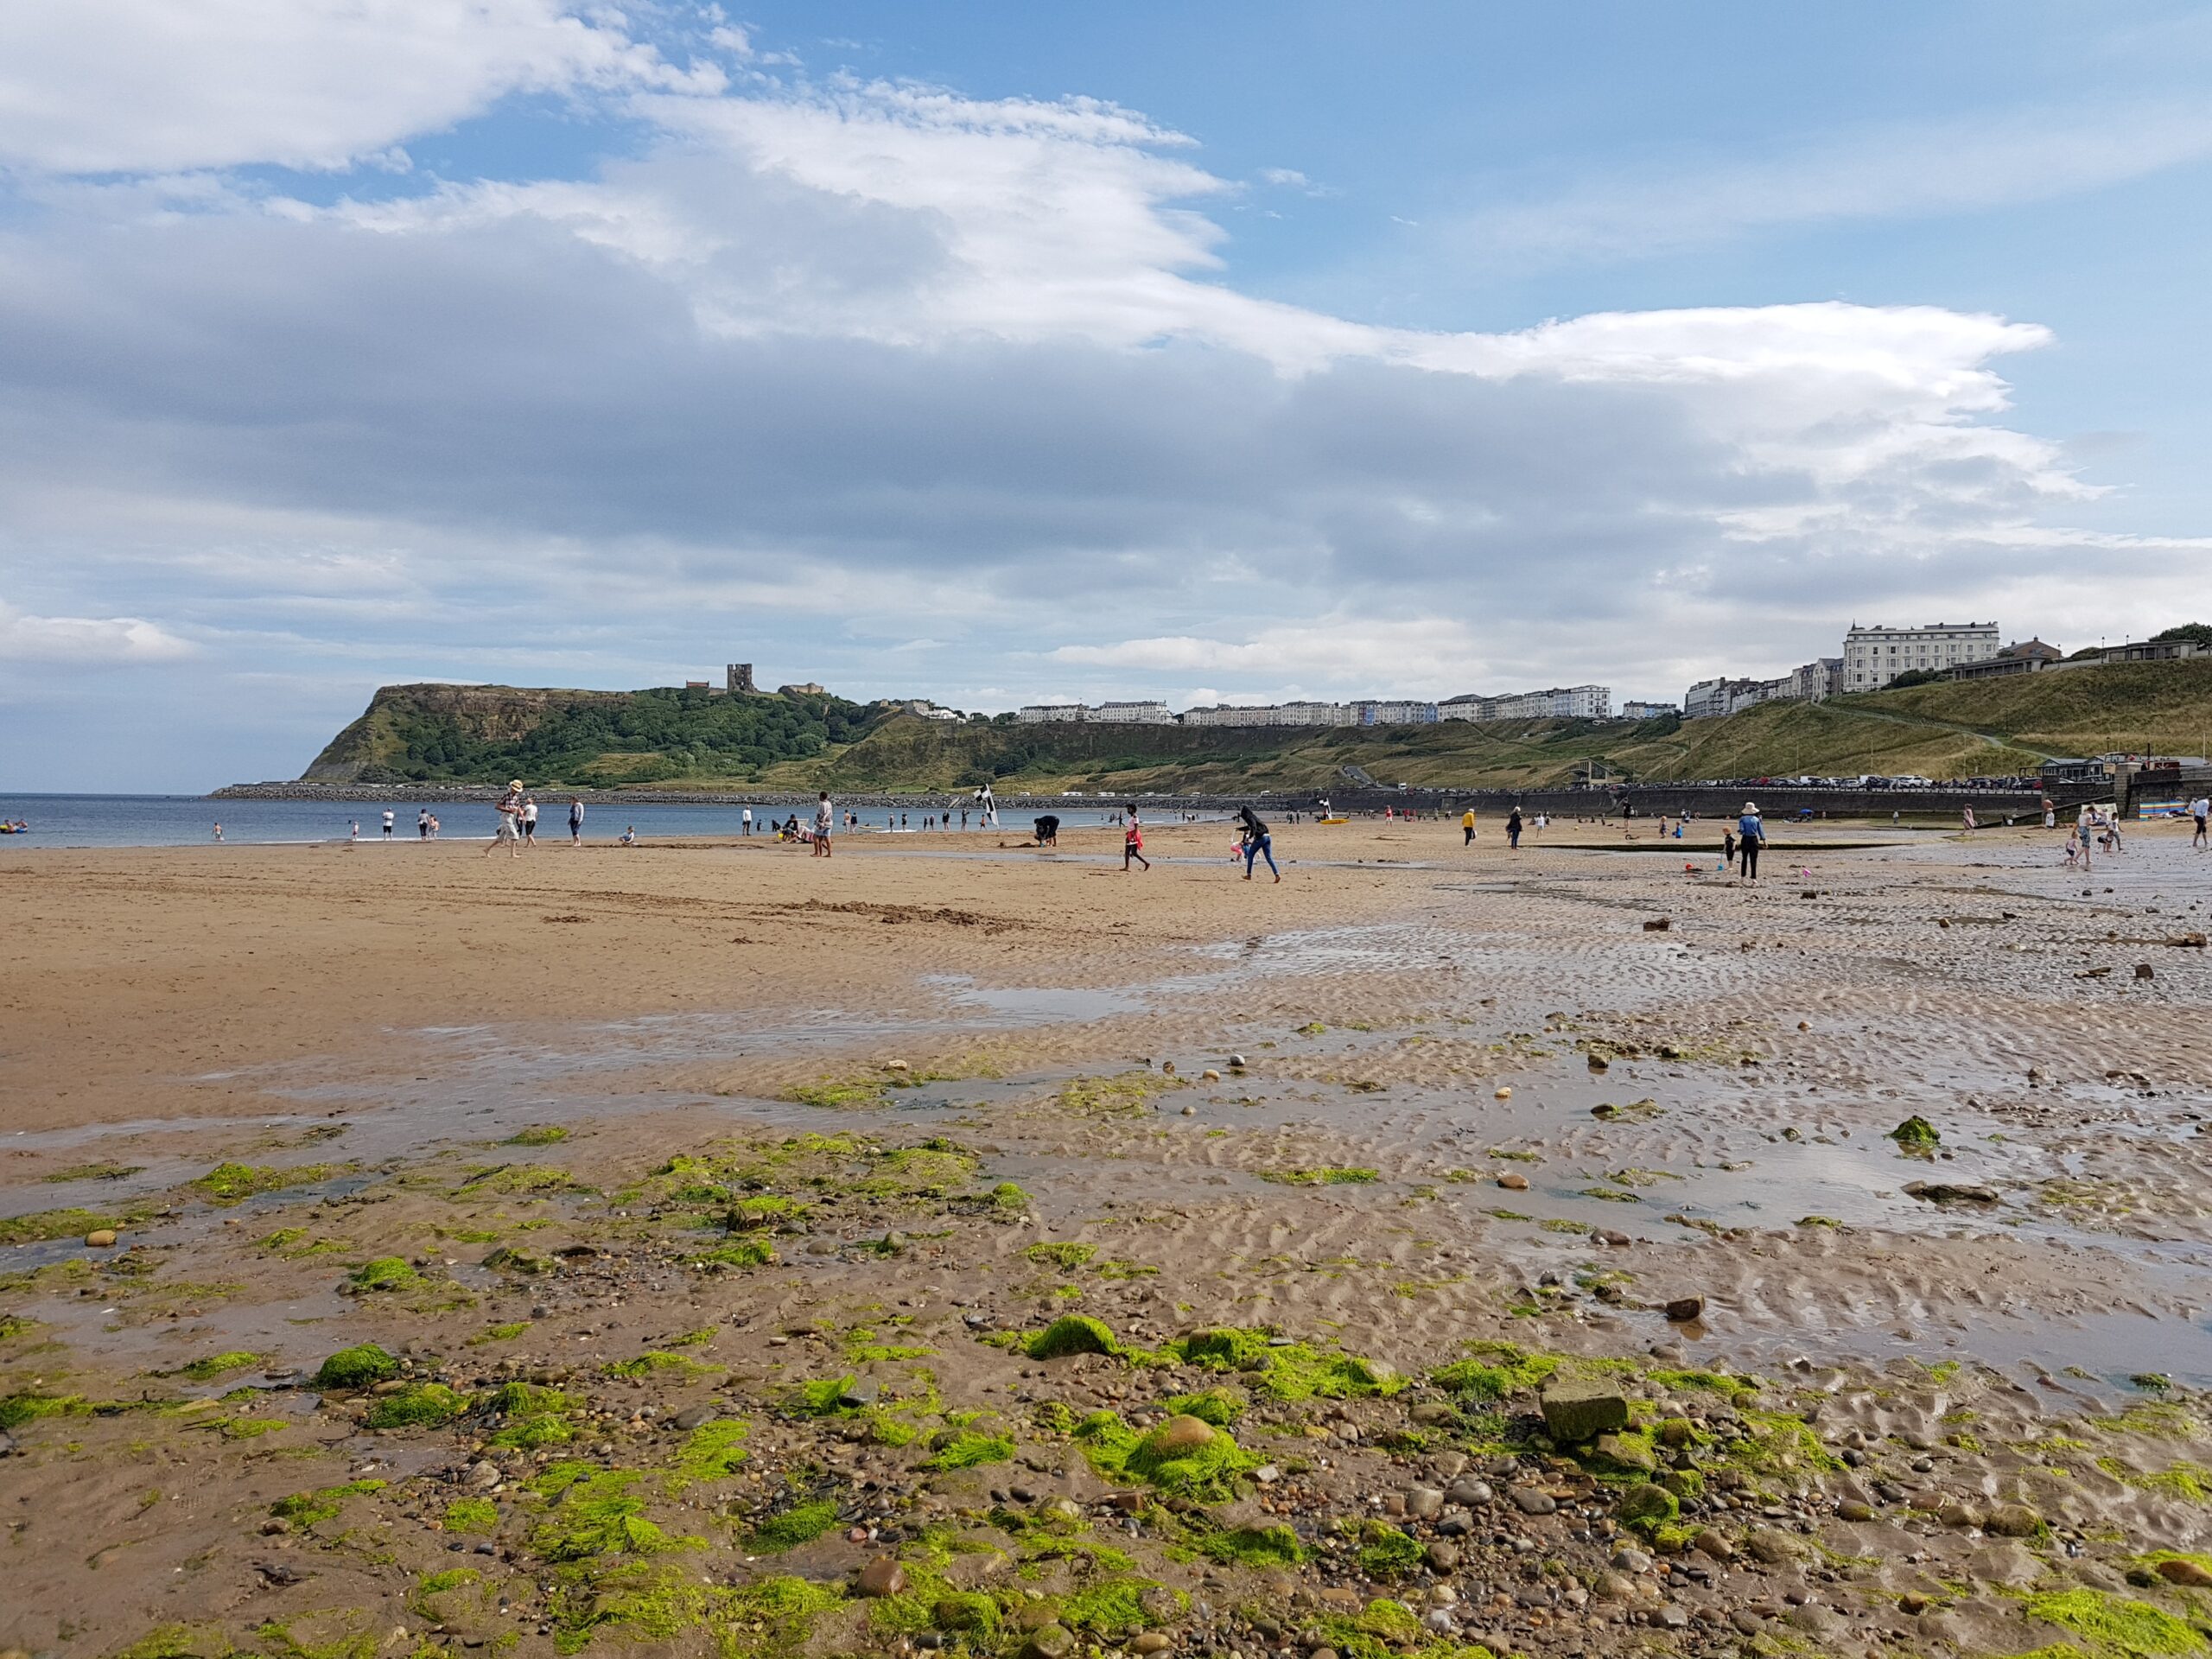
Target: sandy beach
(738,1249)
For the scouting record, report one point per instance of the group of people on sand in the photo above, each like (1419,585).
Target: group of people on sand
(516,826)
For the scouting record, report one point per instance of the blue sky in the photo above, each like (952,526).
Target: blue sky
(1002,353)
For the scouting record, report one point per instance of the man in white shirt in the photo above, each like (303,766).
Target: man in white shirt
(745,817)
(387,824)
(825,820)
(2200,809)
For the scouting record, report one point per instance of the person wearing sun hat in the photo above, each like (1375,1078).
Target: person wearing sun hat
(510,809)
(1753,832)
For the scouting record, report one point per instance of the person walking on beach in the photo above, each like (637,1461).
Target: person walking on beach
(387,824)
(510,811)
(576,821)
(1513,829)
(422,823)
(825,820)
(1258,843)
(1728,844)
(1132,842)
(1753,831)
(2200,809)
(1966,818)
(1467,827)
(529,821)
(745,819)
(218,832)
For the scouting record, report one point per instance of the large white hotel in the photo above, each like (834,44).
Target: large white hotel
(1874,657)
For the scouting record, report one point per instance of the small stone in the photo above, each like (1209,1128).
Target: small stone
(1671,1618)
(1189,1111)
(1852,1510)
(1612,1238)
(1236,1062)
(1151,1642)
(1677,1432)
(2181,1570)
(697,1416)
(861,1394)
(1501,1094)
(1209,1076)
(1049,1642)
(897,1065)
(1614,1586)
(2012,1521)
(100,1238)
(1950,1191)
(1469,1492)
(1179,1434)
(1767,1545)
(1709,1542)
(1514,1181)
(1530,1501)
(1169,1067)
(1628,1454)
(1267,1474)
(1685,1309)
(1444,1558)
(1424,1502)
(882,1577)
(1913,1603)
(1630,1560)
(1434,1414)
(1575,1412)
(2144,970)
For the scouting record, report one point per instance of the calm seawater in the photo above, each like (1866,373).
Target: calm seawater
(190,820)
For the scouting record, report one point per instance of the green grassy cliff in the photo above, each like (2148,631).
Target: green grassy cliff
(803,742)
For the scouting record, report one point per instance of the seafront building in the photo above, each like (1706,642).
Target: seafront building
(1634,709)
(1813,682)
(1568,702)
(1872,657)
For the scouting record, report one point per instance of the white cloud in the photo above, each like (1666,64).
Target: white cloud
(84,639)
(880,386)
(1900,171)
(150,85)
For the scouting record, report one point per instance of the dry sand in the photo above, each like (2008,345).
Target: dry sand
(1700,1109)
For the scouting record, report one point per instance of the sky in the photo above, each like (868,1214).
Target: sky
(1001,354)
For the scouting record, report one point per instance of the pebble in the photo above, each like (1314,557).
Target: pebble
(1709,1542)
(1209,1076)
(1684,1309)
(1424,1502)
(1151,1642)
(1514,1181)
(1501,1094)
(2184,1572)
(1049,1642)
(1180,1434)
(1469,1492)
(100,1238)
(1443,1557)
(1631,1560)
(882,1577)
(1530,1501)
(694,1416)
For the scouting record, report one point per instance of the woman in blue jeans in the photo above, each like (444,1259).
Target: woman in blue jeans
(1257,842)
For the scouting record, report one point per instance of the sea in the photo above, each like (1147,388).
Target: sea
(190,820)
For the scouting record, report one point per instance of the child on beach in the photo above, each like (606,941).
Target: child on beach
(1132,842)
(506,829)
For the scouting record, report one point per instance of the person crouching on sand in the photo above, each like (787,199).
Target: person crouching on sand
(1258,843)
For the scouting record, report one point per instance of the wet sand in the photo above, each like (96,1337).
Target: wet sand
(1484,1097)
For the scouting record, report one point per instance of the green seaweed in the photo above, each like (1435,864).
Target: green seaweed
(358,1366)
(419,1405)
(1264,1546)
(1323,1175)
(1385,1553)
(1073,1333)
(227,1184)
(653,1362)
(711,1452)
(1494,1369)
(386,1272)
(1286,1370)
(537,1134)
(1067,1257)
(967,1450)
(215,1365)
(532,1416)
(306,1508)
(471,1515)
(2116,1626)
(800,1524)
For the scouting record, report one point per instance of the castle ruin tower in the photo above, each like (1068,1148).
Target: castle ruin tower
(740,678)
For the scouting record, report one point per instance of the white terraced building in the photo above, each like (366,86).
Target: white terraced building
(1874,657)
(1559,703)
(1109,714)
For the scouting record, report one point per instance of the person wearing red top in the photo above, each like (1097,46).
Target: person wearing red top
(1132,842)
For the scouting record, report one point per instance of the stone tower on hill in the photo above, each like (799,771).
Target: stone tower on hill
(740,678)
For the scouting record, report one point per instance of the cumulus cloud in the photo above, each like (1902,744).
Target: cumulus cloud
(84,639)
(144,85)
(913,389)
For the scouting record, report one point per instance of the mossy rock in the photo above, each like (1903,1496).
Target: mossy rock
(1073,1333)
(1646,1505)
(419,1405)
(386,1272)
(359,1367)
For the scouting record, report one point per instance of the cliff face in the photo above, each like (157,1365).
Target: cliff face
(391,730)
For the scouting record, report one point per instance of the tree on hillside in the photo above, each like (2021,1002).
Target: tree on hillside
(2199,633)
(1916,676)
